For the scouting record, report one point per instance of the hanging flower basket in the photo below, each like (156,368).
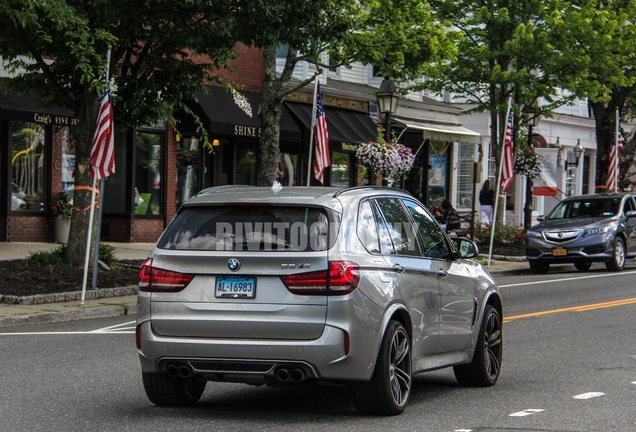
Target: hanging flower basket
(387,158)
(527,163)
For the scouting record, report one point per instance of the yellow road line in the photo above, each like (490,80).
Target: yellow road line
(574,309)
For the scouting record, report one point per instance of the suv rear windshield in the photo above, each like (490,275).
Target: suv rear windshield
(586,208)
(252,228)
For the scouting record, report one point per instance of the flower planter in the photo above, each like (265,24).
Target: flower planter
(62,226)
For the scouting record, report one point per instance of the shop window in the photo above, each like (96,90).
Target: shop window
(148,182)
(340,169)
(115,184)
(437,187)
(187,169)
(28,167)
(245,163)
(287,169)
(67,138)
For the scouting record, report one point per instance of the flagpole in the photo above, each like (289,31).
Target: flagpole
(98,232)
(92,212)
(311,136)
(494,214)
(616,165)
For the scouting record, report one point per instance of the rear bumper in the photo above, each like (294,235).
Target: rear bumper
(323,358)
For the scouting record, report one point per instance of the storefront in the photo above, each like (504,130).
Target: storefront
(37,158)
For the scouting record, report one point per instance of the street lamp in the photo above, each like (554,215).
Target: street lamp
(387,104)
(533,120)
(578,150)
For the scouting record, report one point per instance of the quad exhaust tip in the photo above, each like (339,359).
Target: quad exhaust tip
(293,375)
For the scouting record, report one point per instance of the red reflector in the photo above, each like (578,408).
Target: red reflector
(158,280)
(341,278)
(346,343)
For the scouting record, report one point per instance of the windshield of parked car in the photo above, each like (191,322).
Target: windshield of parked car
(251,228)
(586,208)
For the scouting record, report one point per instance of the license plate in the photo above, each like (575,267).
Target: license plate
(235,287)
(559,251)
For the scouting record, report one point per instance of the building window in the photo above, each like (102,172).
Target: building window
(437,187)
(148,182)
(340,169)
(187,169)
(465,183)
(68,158)
(28,167)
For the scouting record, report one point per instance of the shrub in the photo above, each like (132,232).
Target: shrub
(56,257)
(503,234)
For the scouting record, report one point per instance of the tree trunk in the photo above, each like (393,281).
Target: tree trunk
(269,112)
(605,119)
(76,247)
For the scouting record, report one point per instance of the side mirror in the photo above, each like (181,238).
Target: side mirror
(466,248)
(630,214)
(540,218)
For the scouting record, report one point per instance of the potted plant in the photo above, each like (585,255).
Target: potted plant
(62,210)
(390,159)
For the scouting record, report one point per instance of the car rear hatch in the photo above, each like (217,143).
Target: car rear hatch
(234,262)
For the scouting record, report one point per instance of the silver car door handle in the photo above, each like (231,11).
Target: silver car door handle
(399,268)
(442,274)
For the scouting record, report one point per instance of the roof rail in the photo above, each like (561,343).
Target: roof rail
(217,188)
(384,188)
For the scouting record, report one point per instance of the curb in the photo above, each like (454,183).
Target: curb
(70,296)
(66,316)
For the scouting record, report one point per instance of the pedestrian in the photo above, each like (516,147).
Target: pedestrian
(449,222)
(486,201)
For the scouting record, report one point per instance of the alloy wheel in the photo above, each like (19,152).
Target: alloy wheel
(493,345)
(400,367)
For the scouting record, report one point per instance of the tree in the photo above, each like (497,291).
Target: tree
(397,35)
(57,49)
(608,31)
(519,49)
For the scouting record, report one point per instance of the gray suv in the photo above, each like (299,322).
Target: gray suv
(582,230)
(284,286)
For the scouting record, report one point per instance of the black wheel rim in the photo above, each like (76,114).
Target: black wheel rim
(400,367)
(493,345)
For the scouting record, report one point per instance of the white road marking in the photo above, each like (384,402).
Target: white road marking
(526,412)
(567,279)
(463,430)
(115,329)
(589,395)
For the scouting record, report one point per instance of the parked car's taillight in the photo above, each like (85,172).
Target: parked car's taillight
(341,278)
(157,280)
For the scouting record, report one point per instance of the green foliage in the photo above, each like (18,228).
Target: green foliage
(46,258)
(107,256)
(503,234)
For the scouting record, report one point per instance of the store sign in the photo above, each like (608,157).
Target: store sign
(55,120)
(247,131)
(545,184)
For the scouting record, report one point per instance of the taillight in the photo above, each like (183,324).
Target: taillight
(341,278)
(157,280)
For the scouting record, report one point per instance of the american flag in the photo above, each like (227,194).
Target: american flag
(322,139)
(614,169)
(103,152)
(507,172)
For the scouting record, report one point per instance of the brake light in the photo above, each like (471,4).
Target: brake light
(158,280)
(341,278)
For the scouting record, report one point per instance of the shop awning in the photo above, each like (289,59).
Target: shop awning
(26,108)
(343,126)
(441,132)
(224,114)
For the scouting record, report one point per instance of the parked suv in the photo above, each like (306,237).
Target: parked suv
(358,287)
(582,230)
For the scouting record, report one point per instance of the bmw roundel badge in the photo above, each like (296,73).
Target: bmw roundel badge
(233,264)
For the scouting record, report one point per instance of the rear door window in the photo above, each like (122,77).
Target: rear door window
(252,228)
(399,226)
(432,238)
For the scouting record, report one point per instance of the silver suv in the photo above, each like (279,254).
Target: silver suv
(358,287)
(582,230)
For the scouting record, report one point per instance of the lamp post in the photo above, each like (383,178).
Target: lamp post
(387,96)
(533,120)
(578,150)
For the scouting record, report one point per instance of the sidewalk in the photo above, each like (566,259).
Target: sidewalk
(115,304)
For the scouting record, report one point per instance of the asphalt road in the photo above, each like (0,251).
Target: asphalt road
(566,368)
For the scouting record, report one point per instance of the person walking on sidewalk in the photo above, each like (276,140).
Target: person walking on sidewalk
(486,201)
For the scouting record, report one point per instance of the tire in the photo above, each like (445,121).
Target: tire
(539,268)
(485,367)
(617,262)
(582,266)
(388,391)
(163,390)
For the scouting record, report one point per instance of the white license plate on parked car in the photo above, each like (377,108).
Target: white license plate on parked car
(235,287)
